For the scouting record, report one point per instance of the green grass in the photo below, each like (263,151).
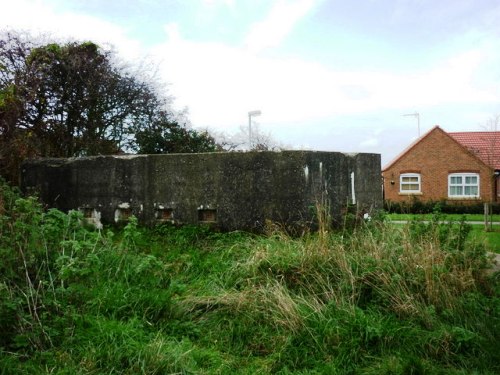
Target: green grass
(368,300)
(491,237)
(453,217)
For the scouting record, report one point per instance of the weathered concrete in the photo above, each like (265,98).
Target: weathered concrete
(232,190)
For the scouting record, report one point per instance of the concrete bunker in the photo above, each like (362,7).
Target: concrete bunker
(228,190)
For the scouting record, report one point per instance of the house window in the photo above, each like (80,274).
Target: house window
(464,185)
(409,183)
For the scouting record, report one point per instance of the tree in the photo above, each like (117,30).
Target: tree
(70,98)
(15,144)
(164,136)
(74,99)
(239,141)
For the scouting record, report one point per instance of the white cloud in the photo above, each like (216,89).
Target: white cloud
(369,143)
(229,3)
(43,18)
(277,24)
(221,84)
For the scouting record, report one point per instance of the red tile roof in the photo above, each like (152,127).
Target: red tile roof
(485,145)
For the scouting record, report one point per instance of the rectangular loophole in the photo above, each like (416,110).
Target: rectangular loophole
(123,214)
(87,212)
(207,216)
(164,214)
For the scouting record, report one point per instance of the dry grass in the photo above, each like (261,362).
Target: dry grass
(407,273)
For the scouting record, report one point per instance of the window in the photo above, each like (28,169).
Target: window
(409,183)
(463,185)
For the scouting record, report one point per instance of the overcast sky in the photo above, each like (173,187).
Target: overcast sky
(334,75)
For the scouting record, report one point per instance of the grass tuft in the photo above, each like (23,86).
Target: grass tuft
(373,299)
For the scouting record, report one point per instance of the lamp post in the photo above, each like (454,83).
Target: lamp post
(250,115)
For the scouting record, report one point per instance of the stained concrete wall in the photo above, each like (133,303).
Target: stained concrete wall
(232,190)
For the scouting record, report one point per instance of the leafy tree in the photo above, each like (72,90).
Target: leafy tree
(73,99)
(15,144)
(239,141)
(166,136)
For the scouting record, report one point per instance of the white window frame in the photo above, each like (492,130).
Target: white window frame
(463,185)
(402,183)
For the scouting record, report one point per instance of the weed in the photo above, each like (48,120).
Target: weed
(370,299)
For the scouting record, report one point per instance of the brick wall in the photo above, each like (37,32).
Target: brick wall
(435,156)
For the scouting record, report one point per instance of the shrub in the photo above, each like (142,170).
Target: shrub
(369,299)
(416,206)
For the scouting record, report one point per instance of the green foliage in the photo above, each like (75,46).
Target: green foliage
(416,206)
(450,235)
(372,300)
(164,136)
(76,99)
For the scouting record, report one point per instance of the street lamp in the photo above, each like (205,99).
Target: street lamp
(250,115)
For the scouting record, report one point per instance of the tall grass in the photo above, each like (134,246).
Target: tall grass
(368,300)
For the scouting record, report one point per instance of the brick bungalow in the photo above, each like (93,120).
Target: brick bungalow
(459,167)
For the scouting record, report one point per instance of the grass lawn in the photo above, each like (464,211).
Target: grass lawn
(492,238)
(454,217)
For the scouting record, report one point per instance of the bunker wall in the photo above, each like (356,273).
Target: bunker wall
(230,190)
